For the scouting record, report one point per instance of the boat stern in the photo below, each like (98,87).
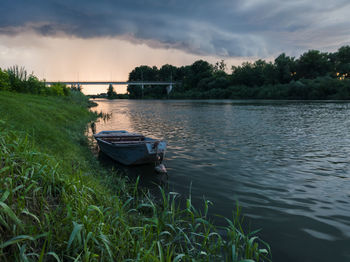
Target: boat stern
(156,147)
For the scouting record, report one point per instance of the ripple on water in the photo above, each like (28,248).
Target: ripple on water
(287,163)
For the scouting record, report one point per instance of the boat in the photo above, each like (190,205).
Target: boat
(131,148)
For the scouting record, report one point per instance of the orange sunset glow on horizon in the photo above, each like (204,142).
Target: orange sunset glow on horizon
(96,59)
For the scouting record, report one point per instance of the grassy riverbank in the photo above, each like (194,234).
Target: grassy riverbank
(58,204)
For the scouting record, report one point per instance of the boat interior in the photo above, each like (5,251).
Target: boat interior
(120,137)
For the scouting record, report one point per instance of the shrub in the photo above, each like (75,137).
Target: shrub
(18,80)
(4,80)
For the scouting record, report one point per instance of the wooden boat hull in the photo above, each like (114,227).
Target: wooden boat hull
(134,153)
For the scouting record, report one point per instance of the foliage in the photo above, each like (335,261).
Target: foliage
(285,68)
(18,80)
(58,204)
(254,74)
(313,64)
(111,94)
(319,88)
(285,78)
(4,80)
(342,62)
(220,66)
(57,89)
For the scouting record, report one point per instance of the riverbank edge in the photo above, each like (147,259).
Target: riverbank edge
(58,203)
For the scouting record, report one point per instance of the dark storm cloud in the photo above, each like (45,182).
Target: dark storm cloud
(221,27)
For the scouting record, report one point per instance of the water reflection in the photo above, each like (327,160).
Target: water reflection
(148,178)
(286,162)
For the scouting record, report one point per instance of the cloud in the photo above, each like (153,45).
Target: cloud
(223,28)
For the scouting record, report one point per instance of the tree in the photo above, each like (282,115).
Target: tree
(167,73)
(342,62)
(111,94)
(220,66)
(264,73)
(4,80)
(243,75)
(253,74)
(18,77)
(313,64)
(143,73)
(198,71)
(285,68)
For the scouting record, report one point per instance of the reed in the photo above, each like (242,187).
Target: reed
(59,208)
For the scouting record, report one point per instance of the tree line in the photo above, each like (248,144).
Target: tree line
(17,79)
(314,75)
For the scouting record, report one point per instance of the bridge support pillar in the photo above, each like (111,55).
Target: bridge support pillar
(169,88)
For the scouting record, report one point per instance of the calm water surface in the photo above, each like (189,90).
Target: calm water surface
(287,163)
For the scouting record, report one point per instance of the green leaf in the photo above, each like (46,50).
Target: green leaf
(251,240)
(5,196)
(160,250)
(263,251)
(25,211)
(3,222)
(96,208)
(17,188)
(106,244)
(8,211)
(76,230)
(233,253)
(42,252)
(16,240)
(54,255)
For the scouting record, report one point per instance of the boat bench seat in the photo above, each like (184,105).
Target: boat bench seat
(123,138)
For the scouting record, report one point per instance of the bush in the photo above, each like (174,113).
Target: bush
(4,80)
(18,80)
(56,89)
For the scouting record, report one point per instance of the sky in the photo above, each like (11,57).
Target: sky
(71,40)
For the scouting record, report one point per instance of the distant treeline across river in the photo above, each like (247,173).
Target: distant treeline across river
(314,75)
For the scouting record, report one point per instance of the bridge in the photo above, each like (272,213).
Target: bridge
(136,83)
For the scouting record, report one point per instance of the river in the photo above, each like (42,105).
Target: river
(287,164)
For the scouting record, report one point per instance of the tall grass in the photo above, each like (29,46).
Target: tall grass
(59,208)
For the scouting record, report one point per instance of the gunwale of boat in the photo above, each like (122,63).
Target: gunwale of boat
(114,137)
(130,141)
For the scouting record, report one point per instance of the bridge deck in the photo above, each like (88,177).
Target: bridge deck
(110,82)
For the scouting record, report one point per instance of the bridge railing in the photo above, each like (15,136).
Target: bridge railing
(111,82)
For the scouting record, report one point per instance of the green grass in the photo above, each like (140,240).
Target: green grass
(58,204)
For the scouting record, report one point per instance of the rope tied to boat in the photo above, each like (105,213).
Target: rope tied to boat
(155,146)
(159,166)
